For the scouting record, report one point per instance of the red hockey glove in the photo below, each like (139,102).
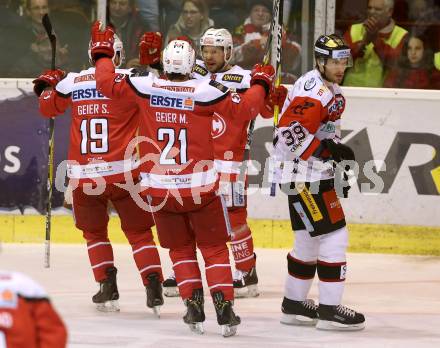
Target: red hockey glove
(49,78)
(149,48)
(277,96)
(263,75)
(101,42)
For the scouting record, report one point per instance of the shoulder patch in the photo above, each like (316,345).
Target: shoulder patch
(219,86)
(310,84)
(232,78)
(200,70)
(8,299)
(135,72)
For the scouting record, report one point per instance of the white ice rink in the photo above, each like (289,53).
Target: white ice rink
(399,295)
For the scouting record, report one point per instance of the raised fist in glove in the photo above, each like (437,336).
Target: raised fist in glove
(277,96)
(101,42)
(339,152)
(49,78)
(263,75)
(149,48)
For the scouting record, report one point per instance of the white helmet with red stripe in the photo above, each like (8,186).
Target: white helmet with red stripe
(218,38)
(178,57)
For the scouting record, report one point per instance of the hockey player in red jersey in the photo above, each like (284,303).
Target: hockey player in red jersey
(179,175)
(27,317)
(308,141)
(229,136)
(100,132)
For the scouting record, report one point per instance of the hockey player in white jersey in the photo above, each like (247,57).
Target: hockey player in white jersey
(307,140)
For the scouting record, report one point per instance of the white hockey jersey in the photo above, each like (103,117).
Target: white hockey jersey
(312,112)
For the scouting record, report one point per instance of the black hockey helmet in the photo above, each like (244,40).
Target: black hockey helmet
(331,46)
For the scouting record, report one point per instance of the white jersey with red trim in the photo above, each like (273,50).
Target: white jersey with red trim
(100,129)
(229,133)
(312,111)
(27,319)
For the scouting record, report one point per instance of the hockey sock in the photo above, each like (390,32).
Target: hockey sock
(331,282)
(242,247)
(186,270)
(145,254)
(218,269)
(299,278)
(101,256)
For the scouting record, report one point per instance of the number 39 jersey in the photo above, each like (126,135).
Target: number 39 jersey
(311,112)
(100,129)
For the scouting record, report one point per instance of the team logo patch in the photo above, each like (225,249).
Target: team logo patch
(232,78)
(120,78)
(164,101)
(218,126)
(8,299)
(200,70)
(235,97)
(310,84)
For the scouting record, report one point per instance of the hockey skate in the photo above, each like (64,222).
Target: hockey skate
(339,318)
(299,312)
(106,298)
(195,315)
(226,317)
(246,283)
(154,293)
(170,288)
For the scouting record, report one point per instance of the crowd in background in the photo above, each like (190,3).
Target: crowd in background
(394,43)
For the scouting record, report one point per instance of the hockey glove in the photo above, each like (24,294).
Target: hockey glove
(277,96)
(49,78)
(263,75)
(339,152)
(101,42)
(150,48)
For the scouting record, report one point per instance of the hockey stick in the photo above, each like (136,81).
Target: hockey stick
(53,43)
(276,60)
(277,13)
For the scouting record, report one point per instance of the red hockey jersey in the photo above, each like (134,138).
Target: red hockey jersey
(27,319)
(229,132)
(177,151)
(100,130)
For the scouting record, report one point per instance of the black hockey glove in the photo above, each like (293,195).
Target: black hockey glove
(338,151)
(342,185)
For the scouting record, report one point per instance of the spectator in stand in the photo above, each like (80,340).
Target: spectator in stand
(11,26)
(39,53)
(149,14)
(375,45)
(193,22)
(414,66)
(127,22)
(251,37)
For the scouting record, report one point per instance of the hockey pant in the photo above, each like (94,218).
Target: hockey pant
(182,228)
(91,217)
(242,244)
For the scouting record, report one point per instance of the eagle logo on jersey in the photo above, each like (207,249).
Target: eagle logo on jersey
(218,126)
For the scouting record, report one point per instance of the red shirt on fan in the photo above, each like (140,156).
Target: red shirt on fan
(100,130)
(177,121)
(27,318)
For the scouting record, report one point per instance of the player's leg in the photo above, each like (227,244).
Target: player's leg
(210,225)
(332,267)
(242,245)
(175,234)
(301,264)
(136,224)
(90,215)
